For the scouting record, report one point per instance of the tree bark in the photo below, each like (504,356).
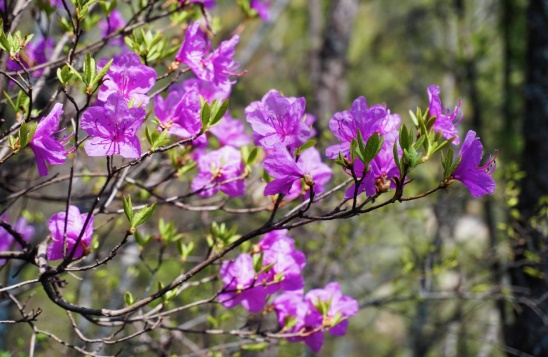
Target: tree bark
(328,73)
(528,332)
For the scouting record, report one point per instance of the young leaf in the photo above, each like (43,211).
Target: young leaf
(128,207)
(142,215)
(26,133)
(218,113)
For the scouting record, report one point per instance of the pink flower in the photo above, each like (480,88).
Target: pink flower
(74,228)
(129,78)
(45,147)
(277,121)
(230,132)
(346,124)
(113,128)
(446,120)
(216,67)
(287,173)
(321,310)
(477,178)
(221,169)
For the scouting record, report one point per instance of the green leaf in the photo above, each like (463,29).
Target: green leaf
(64,74)
(128,207)
(405,142)
(309,143)
(259,346)
(4,43)
(143,215)
(142,240)
(367,152)
(397,156)
(218,113)
(250,157)
(26,133)
(353,149)
(205,113)
(258,262)
(89,69)
(75,72)
(102,73)
(414,118)
(128,298)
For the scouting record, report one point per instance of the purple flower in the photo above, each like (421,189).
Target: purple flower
(75,226)
(129,78)
(220,170)
(477,178)
(241,285)
(322,309)
(110,24)
(445,119)
(215,67)
(277,121)
(345,125)
(287,173)
(113,128)
(206,89)
(35,53)
(6,239)
(230,132)
(382,171)
(45,147)
(287,263)
(326,306)
(261,6)
(281,268)
(179,113)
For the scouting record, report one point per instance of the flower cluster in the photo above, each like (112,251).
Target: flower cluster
(273,265)
(113,123)
(215,67)
(220,169)
(281,126)
(308,316)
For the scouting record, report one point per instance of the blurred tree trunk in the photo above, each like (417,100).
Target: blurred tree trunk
(528,332)
(328,62)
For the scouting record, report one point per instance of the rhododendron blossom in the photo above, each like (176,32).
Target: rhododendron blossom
(261,6)
(47,149)
(216,67)
(278,121)
(129,78)
(281,269)
(476,177)
(320,310)
(74,228)
(179,113)
(111,24)
(112,128)
(35,53)
(346,124)
(230,132)
(221,169)
(446,120)
(287,172)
